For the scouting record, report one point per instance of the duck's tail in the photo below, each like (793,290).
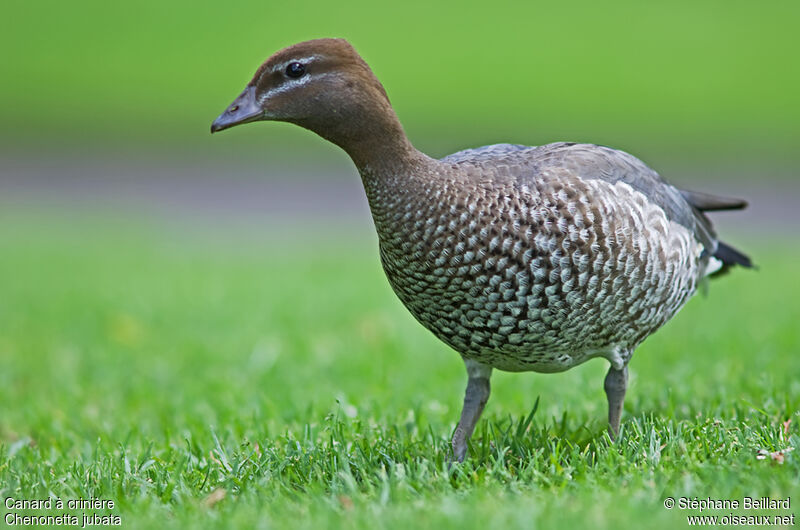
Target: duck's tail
(730,257)
(726,256)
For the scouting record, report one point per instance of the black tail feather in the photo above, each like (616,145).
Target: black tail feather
(730,257)
(705,202)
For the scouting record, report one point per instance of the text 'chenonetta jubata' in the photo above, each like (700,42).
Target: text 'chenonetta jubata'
(520,258)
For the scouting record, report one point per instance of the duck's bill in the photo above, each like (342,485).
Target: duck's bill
(243,110)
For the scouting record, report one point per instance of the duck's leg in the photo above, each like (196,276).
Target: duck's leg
(615,385)
(475,398)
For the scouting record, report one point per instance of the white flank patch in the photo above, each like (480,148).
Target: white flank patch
(713,266)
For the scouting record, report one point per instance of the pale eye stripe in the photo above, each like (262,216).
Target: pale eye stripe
(283,87)
(305,60)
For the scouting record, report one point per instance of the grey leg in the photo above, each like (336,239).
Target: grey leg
(475,398)
(615,385)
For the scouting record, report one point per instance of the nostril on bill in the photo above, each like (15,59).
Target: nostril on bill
(234,108)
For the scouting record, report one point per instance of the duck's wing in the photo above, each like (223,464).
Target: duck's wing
(485,153)
(585,162)
(588,161)
(594,162)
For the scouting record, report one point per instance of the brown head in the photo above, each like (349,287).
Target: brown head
(322,85)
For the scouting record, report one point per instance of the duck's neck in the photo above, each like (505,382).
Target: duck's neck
(392,170)
(381,148)
(372,135)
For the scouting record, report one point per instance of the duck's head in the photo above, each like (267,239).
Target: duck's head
(322,85)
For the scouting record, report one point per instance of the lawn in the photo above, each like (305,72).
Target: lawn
(216,380)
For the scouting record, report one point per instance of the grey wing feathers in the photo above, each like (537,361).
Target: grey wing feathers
(687,208)
(487,152)
(589,161)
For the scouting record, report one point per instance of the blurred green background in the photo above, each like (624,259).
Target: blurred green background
(693,80)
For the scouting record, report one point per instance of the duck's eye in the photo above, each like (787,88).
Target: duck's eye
(295,70)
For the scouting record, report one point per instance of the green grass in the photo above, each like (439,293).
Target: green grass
(155,368)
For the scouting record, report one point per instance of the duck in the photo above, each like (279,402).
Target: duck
(520,258)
